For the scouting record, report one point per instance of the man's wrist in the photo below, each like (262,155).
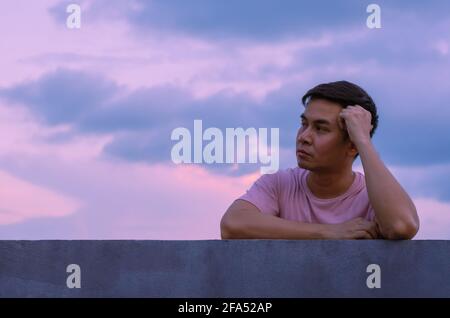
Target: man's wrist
(325,231)
(361,144)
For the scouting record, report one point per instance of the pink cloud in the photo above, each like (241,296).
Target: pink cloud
(160,201)
(21,200)
(128,200)
(132,201)
(434,219)
(22,135)
(138,200)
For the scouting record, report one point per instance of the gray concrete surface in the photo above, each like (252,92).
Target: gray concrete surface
(243,268)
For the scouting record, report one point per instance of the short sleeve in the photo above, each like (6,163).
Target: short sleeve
(264,194)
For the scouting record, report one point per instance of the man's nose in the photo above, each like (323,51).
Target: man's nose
(304,136)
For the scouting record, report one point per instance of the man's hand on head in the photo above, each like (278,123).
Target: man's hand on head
(357,122)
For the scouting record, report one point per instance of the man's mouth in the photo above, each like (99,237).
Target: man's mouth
(303,153)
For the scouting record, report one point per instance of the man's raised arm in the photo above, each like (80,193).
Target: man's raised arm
(395,211)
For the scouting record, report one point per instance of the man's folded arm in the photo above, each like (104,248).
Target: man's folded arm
(243,220)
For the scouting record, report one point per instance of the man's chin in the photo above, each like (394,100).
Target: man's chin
(303,165)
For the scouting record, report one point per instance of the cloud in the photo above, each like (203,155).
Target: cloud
(123,201)
(63,96)
(21,200)
(434,219)
(252,19)
(134,200)
(91,111)
(141,121)
(22,136)
(425,181)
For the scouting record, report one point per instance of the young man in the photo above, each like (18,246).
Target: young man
(323,198)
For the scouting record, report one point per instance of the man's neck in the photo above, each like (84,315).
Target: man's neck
(330,185)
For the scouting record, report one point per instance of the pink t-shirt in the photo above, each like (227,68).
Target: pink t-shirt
(285,194)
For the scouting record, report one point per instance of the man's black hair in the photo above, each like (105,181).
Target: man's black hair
(345,94)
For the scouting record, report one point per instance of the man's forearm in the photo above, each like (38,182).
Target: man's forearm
(254,225)
(394,209)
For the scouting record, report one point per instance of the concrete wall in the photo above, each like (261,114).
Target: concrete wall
(244,268)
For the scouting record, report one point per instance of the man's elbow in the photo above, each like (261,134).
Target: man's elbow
(228,227)
(404,230)
(225,232)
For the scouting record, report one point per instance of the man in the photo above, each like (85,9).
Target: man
(323,198)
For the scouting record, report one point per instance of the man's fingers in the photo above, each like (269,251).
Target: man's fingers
(369,235)
(368,227)
(362,235)
(377,227)
(372,229)
(341,123)
(373,233)
(359,228)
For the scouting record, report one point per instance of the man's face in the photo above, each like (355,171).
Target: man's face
(322,138)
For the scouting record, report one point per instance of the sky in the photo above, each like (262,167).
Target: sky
(86,114)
